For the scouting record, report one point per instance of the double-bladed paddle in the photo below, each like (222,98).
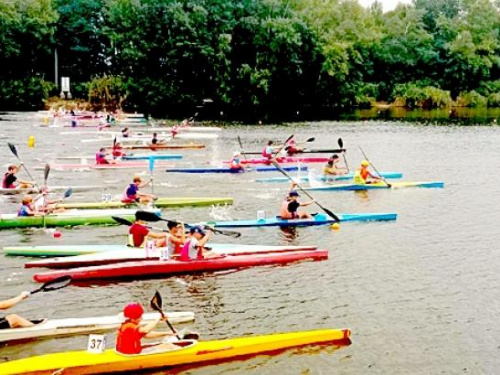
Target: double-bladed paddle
(374,168)
(328,212)
(284,144)
(340,142)
(67,194)
(14,151)
(57,283)
(243,152)
(309,140)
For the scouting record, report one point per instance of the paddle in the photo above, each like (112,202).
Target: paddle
(57,283)
(309,140)
(122,221)
(374,168)
(243,152)
(151,216)
(151,169)
(328,212)
(284,144)
(46,174)
(14,151)
(340,142)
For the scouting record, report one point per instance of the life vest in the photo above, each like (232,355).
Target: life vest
(128,199)
(129,338)
(185,252)
(174,249)
(23,211)
(266,153)
(235,163)
(4,181)
(100,158)
(360,176)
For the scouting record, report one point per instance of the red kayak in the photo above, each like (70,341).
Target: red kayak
(165,268)
(284,159)
(119,165)
(163,147)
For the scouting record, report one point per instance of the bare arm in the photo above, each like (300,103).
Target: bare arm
(13,301)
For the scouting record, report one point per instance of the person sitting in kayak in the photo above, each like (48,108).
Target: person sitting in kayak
(27,208)
(138,233)
(125,133)
(362,175)
(101,157)
(235,163)
(194,248)
(331,168)
(154,141)
(130,333)
(42,205)
(175,130)
(9,179)
(132,195)
(13,320)
(267,152)
(291,147)
(117,151)
(176,239)
(289,207)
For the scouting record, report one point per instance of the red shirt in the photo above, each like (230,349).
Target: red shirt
(129,338)
(138,233)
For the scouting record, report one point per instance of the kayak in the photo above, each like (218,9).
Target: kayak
(189,352)
(160,202)
(229,170)
(147,138)
(319,219)
(73,326)
(306,151)
(154,156)
(33,190)
(348,176)
(145,131)
(128,254)
(378,185)
(163,147)
(67,218)
(119,165)
(285,159)
(152,268)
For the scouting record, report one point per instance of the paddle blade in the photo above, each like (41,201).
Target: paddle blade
(151,164)
(55,284)
(340,142)
(290,137)
(147,216)
(13,149)
(46,173)
(312,139)
(121,220)
(331,214)
(114,142)
(157,303)
(68,193)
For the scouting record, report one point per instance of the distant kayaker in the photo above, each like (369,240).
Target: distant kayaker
(267,152)
(101,157)
(235,163)
(194,248)
(138,233)
(154,141)
(130,333)
(132,194)
(117,151)
(125,133)
(9,179)
(27,208)
(176,239)
(331,168)
(13,320)
(291,147)
(289,207)
(363,175)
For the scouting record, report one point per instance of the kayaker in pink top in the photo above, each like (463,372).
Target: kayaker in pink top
(267,152)
(100,157)
(289,207)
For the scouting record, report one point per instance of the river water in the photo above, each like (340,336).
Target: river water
(421,295)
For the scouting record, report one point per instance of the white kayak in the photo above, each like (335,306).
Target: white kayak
(72,326)
(33,190)
(147,131)
(148,138)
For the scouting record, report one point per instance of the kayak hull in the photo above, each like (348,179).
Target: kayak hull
(160,202)
(319,219)
(73,326)
(229,170)
(83,362)
(121,165)
(345,177)
(378,185)
(34,190)
(152,268)
(154,156)
(164,147)
(285,159)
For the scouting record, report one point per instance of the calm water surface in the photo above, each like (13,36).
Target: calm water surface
(421,295)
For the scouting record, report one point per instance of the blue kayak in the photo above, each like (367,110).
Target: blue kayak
(229,170)
(345,177)
(153,156)
(378,185)
(319,219)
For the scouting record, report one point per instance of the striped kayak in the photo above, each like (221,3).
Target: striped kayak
(229,170)
(136,164)
(67,218)
(378,185)
(73,326)
(76,250)
(164,147)
(128,254)
(284,159)
(160,202)
(154,156)
(189,352)
(319,219)
(165,268)
(345,177)
(33,190)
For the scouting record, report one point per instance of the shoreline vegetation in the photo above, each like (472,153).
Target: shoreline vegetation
(250,60)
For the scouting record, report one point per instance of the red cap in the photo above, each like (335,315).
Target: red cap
(133,311)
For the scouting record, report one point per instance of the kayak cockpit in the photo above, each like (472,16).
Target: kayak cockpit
(162,348)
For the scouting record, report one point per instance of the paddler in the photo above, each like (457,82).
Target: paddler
(101,157)
(331,168)
(125,133)
(132,194)
(138,233)
(117,151)
(42,205)
(194,248)
(9,178)
(289,207)
(176,239)
(131,332)
(267,152)
(362,175)
(13,320)
(291,147)
(235,163)
(27,208)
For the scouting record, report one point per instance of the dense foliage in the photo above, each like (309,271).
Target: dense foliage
(252,58)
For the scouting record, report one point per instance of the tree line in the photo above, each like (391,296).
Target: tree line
(252,59)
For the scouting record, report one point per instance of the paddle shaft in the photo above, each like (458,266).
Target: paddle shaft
(14,151)
(243,152)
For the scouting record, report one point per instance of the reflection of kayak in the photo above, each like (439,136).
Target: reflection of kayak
(33,190)
(319,219)
(189,352)
(152,268)
(285,159)
(229,170)
(345,177)
(119,165)
(128,254)
(160,202)
(72,326)
(67,218)
(378,185)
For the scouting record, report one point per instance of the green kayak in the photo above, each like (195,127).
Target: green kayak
(160,202)
(67,218)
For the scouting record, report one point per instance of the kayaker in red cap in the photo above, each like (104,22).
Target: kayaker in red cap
(13,320)
(131,332)
(132,194)
(194,248)
(331,168)
(289,207)
(138,233)
(362,174)
(9,179)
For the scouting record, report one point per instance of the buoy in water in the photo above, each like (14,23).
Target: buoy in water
(31,141)
(57,234)
(335,226)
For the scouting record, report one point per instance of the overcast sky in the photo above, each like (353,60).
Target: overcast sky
(387,4)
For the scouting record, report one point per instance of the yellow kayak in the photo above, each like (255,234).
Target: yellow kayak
(187,352)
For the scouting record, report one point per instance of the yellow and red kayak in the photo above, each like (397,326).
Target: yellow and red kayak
(187,352)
